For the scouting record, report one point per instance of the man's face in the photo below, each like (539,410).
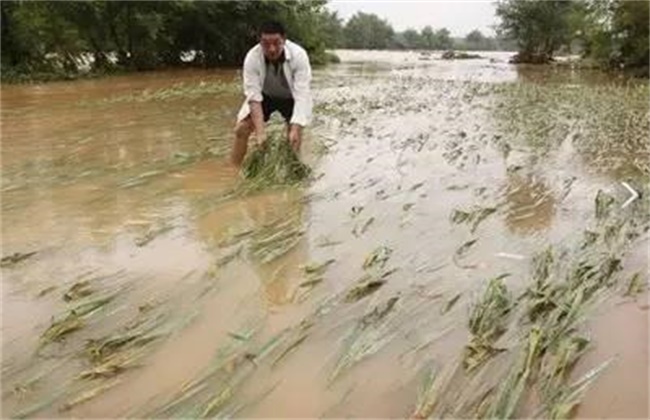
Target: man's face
(272,45)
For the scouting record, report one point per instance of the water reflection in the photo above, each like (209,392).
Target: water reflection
(269,213)
(530,204)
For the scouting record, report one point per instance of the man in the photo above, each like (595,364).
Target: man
(277,77)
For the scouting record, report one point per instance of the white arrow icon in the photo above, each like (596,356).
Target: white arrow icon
(632,191)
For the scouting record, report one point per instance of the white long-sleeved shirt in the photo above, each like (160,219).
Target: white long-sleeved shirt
(297,71)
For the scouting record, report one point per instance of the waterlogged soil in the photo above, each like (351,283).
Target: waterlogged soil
(141,277)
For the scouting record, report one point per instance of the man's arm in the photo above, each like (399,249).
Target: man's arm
(257,116)
(302,91)
(253,92)
(302,108)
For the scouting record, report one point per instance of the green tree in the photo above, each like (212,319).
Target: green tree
(331,29)
(398,42)
(539,27)
(613,32)
(443,39)
(37,38)
(95,25)
(22,49)
(60,38)
(503,42)
(367,31)
(412,39)
(631,24)
(475,40)
(305,24)
(428,38)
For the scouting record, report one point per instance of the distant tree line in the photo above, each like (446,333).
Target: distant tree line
(55,39)
(369,31)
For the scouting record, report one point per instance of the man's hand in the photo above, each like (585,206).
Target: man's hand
(257,117)
(295,137)
(260,138)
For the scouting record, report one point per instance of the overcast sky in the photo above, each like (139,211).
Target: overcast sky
(460,16)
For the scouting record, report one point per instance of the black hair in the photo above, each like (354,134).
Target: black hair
(272,27)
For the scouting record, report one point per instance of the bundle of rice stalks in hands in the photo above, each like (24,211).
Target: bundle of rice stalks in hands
(274,163)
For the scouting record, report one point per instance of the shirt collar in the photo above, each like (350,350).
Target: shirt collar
(282,59)
(287,51)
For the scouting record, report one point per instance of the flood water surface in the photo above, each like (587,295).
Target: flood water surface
(463,217)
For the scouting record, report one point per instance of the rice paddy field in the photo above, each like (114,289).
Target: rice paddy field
(460,244)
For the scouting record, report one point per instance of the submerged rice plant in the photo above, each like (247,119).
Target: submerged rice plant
(369,335)
(473,217)
(487,323)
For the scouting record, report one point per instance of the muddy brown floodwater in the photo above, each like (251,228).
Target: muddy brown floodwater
(156,288)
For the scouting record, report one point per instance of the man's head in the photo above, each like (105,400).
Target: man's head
(272,38)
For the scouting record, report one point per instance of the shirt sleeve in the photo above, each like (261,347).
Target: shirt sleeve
(303,104)
(252,79)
